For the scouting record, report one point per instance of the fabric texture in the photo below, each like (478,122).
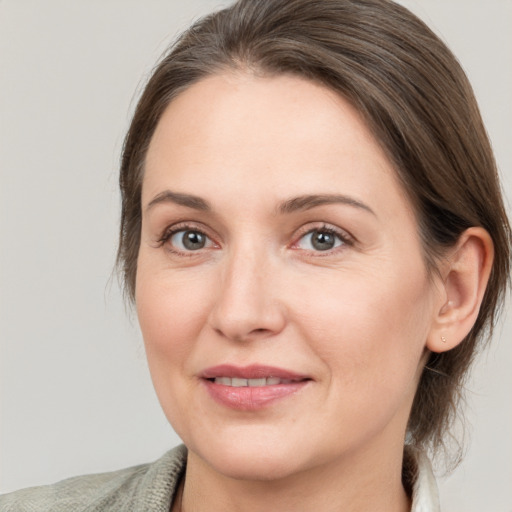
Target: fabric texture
(144,488)
(152,487)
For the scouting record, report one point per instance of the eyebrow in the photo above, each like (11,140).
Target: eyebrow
(300,203)
(307,202)
(188,200)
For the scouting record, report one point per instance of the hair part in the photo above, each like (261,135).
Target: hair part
(416,100)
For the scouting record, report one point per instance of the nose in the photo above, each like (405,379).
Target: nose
(248,305)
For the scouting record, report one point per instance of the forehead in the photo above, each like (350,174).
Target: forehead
(284,134)
(225,108)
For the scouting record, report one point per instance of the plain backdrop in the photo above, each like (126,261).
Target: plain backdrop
(76,396)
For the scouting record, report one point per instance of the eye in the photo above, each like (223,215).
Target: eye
(186,240)
(321,239)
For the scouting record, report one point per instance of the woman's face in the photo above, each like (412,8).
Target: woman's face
(281,288)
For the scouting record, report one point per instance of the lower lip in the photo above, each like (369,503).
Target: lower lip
(248,398)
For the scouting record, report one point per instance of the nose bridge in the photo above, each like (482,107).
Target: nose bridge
(247,304)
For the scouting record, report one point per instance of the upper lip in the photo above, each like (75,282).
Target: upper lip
(254,371)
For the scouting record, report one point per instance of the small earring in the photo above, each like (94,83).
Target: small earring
(443,339)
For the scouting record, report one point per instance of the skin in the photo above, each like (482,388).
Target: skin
(356,319)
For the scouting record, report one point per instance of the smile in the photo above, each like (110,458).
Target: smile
(251,388)
(237,382)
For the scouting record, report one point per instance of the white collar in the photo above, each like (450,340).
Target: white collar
(425,495)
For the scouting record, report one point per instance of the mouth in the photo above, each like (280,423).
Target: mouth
(251,388)
(237,382)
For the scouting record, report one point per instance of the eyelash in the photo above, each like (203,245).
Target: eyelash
(171,231)
(343,236)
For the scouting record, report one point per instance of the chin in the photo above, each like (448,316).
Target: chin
(245,460)
(253,467)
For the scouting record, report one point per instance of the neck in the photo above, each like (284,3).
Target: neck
(357,484)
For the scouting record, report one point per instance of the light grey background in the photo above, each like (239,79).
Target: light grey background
(75,391)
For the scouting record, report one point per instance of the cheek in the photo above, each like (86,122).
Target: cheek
(171,312)
(369,329)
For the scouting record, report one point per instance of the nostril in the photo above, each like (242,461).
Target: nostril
(260,332)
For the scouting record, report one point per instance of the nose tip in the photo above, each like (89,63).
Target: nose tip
(244,320)
(248,305)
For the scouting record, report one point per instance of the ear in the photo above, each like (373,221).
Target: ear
(465,273)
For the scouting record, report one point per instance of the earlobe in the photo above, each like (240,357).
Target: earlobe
(465,274)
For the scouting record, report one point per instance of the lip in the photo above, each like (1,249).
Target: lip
(251,398)
(254,371)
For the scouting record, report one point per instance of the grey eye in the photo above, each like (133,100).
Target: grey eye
(189,240)
(320,240)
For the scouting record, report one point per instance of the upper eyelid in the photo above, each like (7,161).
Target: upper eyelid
(184,226)
(342,233)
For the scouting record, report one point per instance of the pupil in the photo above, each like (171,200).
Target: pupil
(322,241)
(193,240)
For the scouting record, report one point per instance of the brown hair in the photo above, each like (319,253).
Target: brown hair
(413,95)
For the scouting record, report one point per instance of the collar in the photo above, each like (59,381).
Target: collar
(425,495)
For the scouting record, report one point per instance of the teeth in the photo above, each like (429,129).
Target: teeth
(257,382)
(238,383)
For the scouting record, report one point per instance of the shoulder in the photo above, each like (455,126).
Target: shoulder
(139,488)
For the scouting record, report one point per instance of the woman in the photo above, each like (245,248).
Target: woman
(315,243)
